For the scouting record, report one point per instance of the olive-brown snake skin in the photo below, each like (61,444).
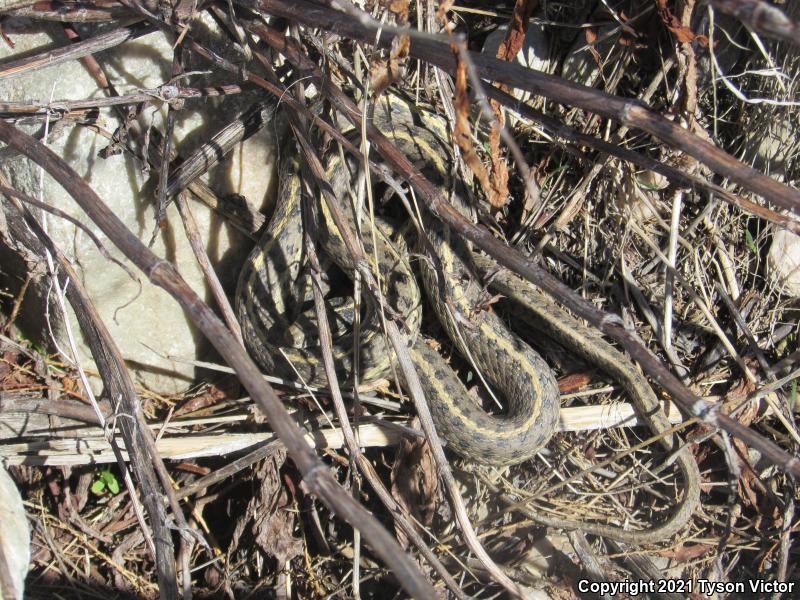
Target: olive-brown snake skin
(273,293)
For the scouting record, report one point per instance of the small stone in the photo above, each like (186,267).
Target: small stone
(783,261)
(535,51)
(15,536)
(771,145)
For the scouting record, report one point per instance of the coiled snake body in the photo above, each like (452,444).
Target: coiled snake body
(273,294)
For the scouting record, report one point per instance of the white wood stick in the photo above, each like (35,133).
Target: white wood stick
(90,449)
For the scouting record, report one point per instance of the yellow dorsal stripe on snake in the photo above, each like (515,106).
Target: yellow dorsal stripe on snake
(533,306)
(270,277)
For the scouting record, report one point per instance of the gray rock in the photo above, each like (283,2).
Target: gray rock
(771,143)
(580,64)
(150,325)
(15,535)
(535,51)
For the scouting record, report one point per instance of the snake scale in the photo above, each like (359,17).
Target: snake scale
(273,299)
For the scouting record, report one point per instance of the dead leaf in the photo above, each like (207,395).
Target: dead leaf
(682,33)
(747,479)
(444,6)
(384,72)
(266,516)
(486,303)
(463,131)
(211,396)
(399,8)
(498,195)
(414,482)
(517,28)
(574,382)
(683,553)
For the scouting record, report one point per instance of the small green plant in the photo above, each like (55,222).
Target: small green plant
(106,481)
(751,243)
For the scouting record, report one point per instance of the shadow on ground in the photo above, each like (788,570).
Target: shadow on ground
(75,590)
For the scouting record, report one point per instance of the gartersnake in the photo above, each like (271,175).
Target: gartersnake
(273,294)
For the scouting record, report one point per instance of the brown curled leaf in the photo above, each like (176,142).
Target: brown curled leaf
(385,72)
(463,137)
(269,519)
(414,482)
(499,178)
(574,382)
(590,35)
(682,33)
(441,12)
(399,8)
(683,553)
(507,51)
(517,28)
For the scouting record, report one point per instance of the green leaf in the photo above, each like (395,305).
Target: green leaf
(113,486)
(98,487)
(751,243)
(111,481)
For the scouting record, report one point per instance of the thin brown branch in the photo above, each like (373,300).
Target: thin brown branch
(69,409)
(196,242)
(168,92)
(762,17)
(69,11)
(166,147)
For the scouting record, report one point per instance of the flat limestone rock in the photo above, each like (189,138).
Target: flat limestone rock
(148,325)
(783,260)
(15,535)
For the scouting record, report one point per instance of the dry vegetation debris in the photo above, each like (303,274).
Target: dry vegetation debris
(630,206)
